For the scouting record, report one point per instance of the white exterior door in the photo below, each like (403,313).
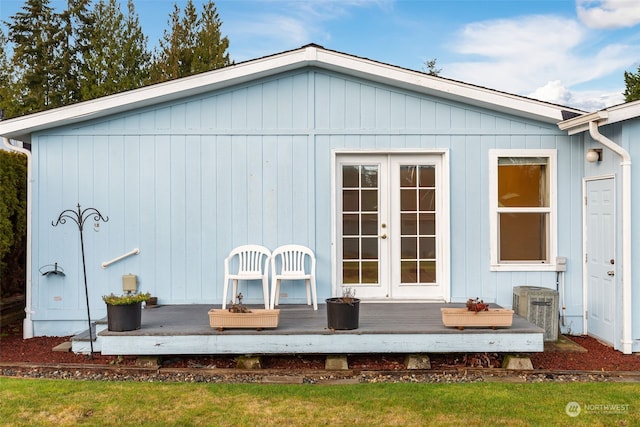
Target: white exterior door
(391,224)
(600,257)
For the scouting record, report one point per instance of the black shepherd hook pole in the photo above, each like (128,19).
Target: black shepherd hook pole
(79,217)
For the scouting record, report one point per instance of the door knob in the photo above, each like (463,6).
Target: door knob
(384,236)
(611,273)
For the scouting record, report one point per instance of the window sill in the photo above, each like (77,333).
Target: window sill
(523,267)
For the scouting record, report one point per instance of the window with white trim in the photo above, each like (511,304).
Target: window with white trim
(522,208)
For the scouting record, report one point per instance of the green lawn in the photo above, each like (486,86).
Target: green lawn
(29,402)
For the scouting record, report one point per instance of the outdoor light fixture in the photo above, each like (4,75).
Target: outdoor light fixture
(594,155)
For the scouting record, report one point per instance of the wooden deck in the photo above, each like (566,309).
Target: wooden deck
(384,328)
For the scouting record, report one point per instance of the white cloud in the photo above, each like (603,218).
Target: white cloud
(534,54)
(608,13)
(516,55)
(596,100)
(555,92)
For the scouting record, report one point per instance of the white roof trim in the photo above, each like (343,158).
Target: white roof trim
(607,116)
(21,128)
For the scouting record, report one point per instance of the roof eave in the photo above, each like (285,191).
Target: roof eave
(21,128)
(441,87)
(610,115)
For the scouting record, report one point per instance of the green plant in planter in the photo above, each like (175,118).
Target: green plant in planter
(129,299)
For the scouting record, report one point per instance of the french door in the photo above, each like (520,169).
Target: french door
(390,223)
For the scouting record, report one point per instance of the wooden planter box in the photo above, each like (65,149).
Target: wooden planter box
(462,318)
(257,319)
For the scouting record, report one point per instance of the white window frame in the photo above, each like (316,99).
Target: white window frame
(552,238)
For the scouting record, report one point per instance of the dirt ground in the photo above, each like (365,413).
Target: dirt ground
(587,355)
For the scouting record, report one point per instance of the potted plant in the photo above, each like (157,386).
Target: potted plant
(477,314)
(124,312)
(343,312)
(238,315)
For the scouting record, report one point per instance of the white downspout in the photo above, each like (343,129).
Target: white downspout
(625,164)
(27,327)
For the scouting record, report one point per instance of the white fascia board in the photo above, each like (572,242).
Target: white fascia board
(615,114)
(623,112)
(441,87)
(581,123)
(21,128)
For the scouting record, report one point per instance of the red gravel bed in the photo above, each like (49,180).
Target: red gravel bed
(598,357)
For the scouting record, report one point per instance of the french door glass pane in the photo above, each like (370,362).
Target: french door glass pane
(427,176)
(428,271)
(360,217)
(409,272)
(350,224)
(417,224)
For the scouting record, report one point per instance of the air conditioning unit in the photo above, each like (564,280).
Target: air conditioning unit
(539,306)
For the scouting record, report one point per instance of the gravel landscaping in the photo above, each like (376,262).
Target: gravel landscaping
(590,360)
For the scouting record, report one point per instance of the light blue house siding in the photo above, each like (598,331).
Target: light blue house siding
(626,134)
(187,181)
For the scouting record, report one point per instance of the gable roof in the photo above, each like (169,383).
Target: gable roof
(21,128)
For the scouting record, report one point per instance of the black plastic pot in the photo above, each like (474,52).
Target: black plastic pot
(342,315)
(122,318)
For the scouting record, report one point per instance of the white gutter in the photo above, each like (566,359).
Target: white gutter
(625,164)
(27,327)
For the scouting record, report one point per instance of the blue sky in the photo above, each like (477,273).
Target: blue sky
(570,52)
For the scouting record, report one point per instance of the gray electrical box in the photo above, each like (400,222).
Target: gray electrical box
(129,283)
(539,306)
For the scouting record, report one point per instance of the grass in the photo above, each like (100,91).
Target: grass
(28,402)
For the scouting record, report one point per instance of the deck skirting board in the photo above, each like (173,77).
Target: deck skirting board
(322,344)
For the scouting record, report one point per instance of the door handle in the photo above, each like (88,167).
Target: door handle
(383,236)
(611,273)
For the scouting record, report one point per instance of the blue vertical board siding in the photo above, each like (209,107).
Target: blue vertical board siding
(189,180)
(146,170)
(193,219)
(630,135)
(177,223)
(163,222)
(252,195)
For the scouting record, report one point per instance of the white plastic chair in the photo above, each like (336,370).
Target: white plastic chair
(253,264)
(292,261)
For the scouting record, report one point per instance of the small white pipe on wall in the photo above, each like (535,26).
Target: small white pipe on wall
(106,264)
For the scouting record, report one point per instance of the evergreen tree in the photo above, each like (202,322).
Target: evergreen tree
(430,67)
(192,45)
(210,51)
(76,19)
(6,81)
(35,35)
(115,58)
(138,59)
(632,83)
